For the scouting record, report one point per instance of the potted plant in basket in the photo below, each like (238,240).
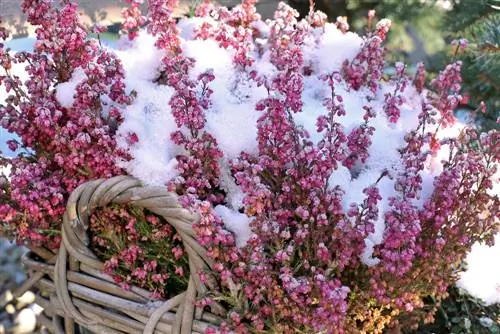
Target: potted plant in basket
(274,177)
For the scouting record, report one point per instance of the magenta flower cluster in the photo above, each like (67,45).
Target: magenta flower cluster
(59,147)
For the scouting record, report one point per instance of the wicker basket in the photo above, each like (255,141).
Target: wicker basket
(76,294)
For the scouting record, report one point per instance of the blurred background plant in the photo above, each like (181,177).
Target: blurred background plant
(479,22)
(461,313)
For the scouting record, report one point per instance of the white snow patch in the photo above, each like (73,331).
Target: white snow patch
(262,28)
(355,194)
(236,222)
(482,277)
(65,91)
(234,193)
(486,322)
(141,60)
(188,25)
(5,171)
(232,118)
(335,47)
(149,118)
(340,177)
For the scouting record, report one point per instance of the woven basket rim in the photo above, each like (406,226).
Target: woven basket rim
(79,286)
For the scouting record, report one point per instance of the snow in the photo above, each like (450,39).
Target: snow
(335,47)
(232,118)
(5,171)
(486,322)
(262,27)
(148,117)
(154,153)
(234,194)
(434,162)
(235,222)
(341,177)
(66,91)
(141,60)
(355,195)
(187,26)
(482,277)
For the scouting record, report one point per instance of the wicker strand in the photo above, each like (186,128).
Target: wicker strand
(167,306)
(61,283)
(188,312)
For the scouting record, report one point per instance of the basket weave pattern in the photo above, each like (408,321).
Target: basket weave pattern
(73,289)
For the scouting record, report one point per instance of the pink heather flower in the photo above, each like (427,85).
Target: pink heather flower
(447,86)
(461,43)
(156,295)
(342,24)
(178,252)
(151,265)
(132,18)
(179,271)
(139,273)
(419,79)
(210,330)
(382,28)
(482,106)
(394,100)
(230,28)
(359,142)
(157,278)
(317,18)
(99,28)
(366,67)
(13,145)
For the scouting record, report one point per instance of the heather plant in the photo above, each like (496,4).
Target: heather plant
(133,19)
(302,267)
(64,115)
(332,196)
(140,249)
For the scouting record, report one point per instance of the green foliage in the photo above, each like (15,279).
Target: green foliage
(467,13)
(116,228)
(479,22)
(461,314)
